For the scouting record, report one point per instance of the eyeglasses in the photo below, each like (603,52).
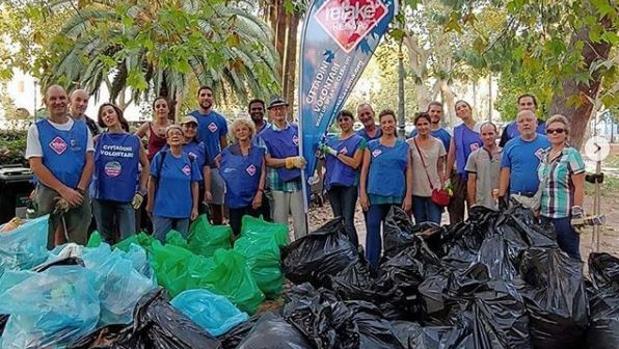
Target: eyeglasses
(555,130)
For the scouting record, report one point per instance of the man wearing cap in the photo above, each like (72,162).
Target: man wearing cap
(60,151)
(78,102)
(284,167)
(365,114)
(212,131)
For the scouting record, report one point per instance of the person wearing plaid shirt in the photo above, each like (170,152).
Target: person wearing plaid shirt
(562,175)
(284,167)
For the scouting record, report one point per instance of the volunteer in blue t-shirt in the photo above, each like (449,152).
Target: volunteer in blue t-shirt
(465,140)
(435,110)
(525,102)
(343,157)
(118,155)
(256,109)
(365,114)
(386,180)
(173,187)
(242,166)
(197,151)
(60,153)
(521,157)
(212,131)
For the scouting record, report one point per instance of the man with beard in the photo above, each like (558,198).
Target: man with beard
(78,102)
(212,130)
(60,152)
(256,111)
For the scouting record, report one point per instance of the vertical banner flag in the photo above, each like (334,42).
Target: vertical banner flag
(337,41)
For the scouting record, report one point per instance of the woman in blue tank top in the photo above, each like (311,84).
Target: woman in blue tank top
(465,140)
(242,166)
(343,157)
(386,180)
(118,155)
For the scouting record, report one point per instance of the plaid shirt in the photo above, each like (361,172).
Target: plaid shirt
(558,191)
(273,181)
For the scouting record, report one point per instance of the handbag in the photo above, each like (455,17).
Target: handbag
(440,196)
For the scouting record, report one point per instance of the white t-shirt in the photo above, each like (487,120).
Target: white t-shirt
(421,186)
(33,145)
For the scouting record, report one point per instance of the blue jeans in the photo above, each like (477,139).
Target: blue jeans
(112,214)
(162,225)
(567,238)
(425,210)
(343,201)
(373,240)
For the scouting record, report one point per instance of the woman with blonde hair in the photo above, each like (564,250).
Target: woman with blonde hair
(562,182)
(242,166)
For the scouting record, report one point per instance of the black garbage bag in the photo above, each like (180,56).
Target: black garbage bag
(399,278)
(232,338)
(322,318)
(160,326)
(399,231)
(374,331)
(325,252)
(354,282)
(604,270)
(435,302)
(500,256)
(109,337)
(406,332)
(458,336)
(553,289)
(603,332)
(273,332)
(519,224)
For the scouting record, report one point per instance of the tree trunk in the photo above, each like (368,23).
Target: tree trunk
(562,102)
(449,102)
(280,36)
(291,58)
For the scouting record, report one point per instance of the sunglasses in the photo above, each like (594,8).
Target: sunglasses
(555,130)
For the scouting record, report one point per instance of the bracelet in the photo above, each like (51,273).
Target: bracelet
(81,191)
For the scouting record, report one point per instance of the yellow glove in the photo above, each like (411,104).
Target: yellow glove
(295,161)
(137,201)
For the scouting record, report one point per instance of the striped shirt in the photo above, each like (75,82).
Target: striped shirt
(558,192)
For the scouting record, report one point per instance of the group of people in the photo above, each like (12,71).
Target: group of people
(189,168)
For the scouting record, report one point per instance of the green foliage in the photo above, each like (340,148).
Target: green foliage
(12,146)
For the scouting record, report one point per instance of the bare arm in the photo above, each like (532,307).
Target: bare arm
(206,174)
(45,175)
(408,196)
(471,189)
(89,166)
(275,163)
(579,188)
(145,170)
(451,159)
(354,161)
(223,141)
(504,181)
(364,172)
(195,197)
(151,194)
(263,176)
(440,167)
(142,130)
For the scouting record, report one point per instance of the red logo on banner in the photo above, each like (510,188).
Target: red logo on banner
(349,21)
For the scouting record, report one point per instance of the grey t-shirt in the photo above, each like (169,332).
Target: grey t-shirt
(431,156)
(487,168)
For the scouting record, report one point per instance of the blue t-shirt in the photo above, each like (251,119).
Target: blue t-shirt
(173,193)
(211,127)
(363,133)
(522,158)
(440,133)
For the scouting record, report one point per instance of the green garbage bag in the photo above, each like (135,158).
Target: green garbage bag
(205,238)
(252,226)
(262,256)
(178,269)
(175,238)
(232,278)
(95,239)
(141,239)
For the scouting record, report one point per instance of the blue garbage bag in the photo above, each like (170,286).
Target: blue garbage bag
(139,258)
(24,247)
(50,309)
(117,283)
(214,313)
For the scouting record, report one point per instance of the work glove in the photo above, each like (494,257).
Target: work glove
(295,161)
(61,206)
(328,150)
(577,217)
(138,198)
